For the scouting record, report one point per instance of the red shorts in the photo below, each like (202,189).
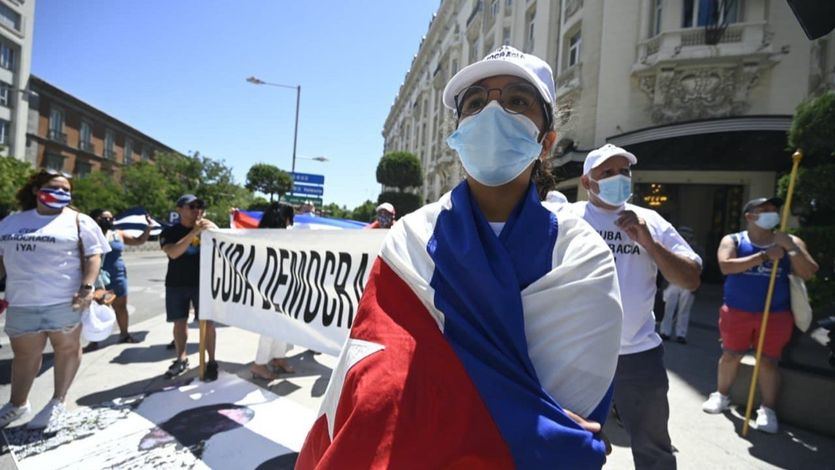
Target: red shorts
(740,331)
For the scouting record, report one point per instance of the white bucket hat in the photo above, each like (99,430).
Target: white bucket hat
(503,61)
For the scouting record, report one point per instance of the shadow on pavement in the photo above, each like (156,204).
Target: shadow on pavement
(6,368)
(153,353)
(772,448)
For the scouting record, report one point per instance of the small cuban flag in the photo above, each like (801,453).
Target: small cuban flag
(132,222)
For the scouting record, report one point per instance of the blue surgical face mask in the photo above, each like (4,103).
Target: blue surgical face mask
(767,220)
(495,146)
(614,190)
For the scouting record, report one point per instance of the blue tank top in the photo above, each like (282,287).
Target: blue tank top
(113,262)
(747,290)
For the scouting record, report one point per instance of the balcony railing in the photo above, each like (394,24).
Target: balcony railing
(57,136)
(698,43)
(109,154)
(86,146)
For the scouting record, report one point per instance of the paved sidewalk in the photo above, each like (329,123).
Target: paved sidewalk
(703,441)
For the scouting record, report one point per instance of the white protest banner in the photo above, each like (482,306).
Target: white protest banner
(299,286)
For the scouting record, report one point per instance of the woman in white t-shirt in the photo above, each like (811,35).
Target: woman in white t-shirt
(48,284)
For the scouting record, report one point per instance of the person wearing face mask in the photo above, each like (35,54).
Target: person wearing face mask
(385,216)
(114,265)
(50,255)
(747,259)
(488,332)
(642,243)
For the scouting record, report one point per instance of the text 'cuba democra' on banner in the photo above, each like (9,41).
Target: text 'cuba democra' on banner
(299,286)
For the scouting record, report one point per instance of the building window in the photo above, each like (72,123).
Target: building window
(109,141)
(506,37)
(574,49)
(709,12)
(128,151)
(655,27)
(144,153)
(9,18)
(530,28)
(7,56)
(5,126)
(473,53)
(56,126)
(5,95)
(85,137)
(494,8)
(508,4)
(454,68)
(82,169)
(53,162)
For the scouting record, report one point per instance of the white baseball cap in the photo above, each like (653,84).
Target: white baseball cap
(596,157)
(385,207)
(503,61)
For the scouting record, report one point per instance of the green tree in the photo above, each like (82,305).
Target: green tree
(13,175)
(334,210)
(813,132)
(813,129)
(364,212)
(147,186)
(268,179)
(98,190)
(403,203)
(399,170)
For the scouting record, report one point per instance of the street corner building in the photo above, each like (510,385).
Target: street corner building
(702,91)
(467,347)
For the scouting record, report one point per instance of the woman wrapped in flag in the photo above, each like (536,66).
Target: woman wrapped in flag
(489,329)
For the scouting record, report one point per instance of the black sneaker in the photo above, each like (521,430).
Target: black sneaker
(211,372)
(664,337)
(176,368)
(681,340)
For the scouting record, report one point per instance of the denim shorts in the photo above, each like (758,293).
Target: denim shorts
(23,320)
(178,300)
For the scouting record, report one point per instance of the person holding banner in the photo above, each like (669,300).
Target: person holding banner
(181,242)
(488,332)
(747,258)
(114,265)
(271,352)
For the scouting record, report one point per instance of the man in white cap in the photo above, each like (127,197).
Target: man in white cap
(385,216)
(642,243)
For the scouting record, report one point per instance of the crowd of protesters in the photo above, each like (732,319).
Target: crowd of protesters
(501,231)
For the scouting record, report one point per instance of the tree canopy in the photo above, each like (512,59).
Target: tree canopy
(268,179)
(13,174)
(399,170)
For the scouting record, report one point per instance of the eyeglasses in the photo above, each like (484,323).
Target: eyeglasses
(515,98)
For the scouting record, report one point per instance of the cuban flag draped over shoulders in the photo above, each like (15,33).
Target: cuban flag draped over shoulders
(468,347)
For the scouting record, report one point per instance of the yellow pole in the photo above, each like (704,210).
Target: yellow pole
(796,157)
(202,348)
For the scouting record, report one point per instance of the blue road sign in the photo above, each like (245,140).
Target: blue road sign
(308,178)
(306,190)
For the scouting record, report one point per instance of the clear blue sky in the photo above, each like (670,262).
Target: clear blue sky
(176,71)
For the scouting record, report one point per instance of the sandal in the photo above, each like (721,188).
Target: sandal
(282,365)
(127,339)
(262,372)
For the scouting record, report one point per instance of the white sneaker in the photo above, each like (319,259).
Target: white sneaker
(716,403)
(766,420)
(48,417)
(9,413)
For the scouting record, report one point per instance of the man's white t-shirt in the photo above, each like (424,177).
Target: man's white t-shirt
(636,270)
(40,254)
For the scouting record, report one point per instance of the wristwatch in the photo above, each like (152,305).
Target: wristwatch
(86,286)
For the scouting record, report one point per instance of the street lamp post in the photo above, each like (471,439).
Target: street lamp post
(258,81)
